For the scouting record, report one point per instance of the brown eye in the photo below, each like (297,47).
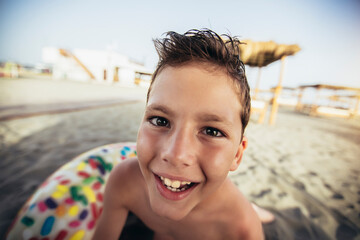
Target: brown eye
(213,132)
(159,121)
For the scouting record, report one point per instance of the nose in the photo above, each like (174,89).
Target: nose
(180,148)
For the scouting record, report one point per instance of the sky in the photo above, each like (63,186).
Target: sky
(327,31)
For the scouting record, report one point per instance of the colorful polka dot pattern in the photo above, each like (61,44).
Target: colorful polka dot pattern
(68,203)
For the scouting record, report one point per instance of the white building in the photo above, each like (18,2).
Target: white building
(91,65)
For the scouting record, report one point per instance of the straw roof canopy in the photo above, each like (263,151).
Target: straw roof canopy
(331,87)
(260,54)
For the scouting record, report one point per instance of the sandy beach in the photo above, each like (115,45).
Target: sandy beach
(304,169)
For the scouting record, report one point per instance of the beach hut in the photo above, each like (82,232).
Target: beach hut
(261,54)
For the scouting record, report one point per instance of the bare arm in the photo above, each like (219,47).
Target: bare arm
(114,214)
(110,224)
(253,226)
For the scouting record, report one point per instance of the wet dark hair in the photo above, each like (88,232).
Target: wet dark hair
(205,46)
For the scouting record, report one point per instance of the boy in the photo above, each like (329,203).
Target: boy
(191,136)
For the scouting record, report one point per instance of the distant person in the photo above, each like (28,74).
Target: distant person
(191,136)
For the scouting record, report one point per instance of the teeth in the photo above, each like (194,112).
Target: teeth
(167,182)
(174,189)
(174,184)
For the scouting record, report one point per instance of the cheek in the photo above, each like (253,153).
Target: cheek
(145,144)
(217,160)
(142,144)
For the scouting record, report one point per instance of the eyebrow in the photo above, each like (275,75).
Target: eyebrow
(160,108)
(213,118)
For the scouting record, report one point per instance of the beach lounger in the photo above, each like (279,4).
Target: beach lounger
(259,107)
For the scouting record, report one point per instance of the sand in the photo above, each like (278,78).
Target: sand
(306,165)
(305,169)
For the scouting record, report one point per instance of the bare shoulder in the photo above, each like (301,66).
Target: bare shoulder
(122,179)
(125,169)
(250,226)
(246,222)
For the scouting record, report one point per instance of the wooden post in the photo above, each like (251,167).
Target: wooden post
(356,110)
(277,92)
(257,83)
(314,105)
(299,105)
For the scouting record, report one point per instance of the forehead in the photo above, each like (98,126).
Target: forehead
(202,85)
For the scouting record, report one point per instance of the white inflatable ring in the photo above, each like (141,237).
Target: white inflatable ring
(68,203)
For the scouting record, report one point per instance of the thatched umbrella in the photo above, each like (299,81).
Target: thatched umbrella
(261,54)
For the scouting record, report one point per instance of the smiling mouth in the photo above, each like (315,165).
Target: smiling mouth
(176,185)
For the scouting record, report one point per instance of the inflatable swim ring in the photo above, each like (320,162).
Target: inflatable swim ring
(68,203)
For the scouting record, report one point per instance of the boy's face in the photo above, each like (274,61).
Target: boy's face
(190,137)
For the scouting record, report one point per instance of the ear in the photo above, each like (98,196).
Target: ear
(238,157)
